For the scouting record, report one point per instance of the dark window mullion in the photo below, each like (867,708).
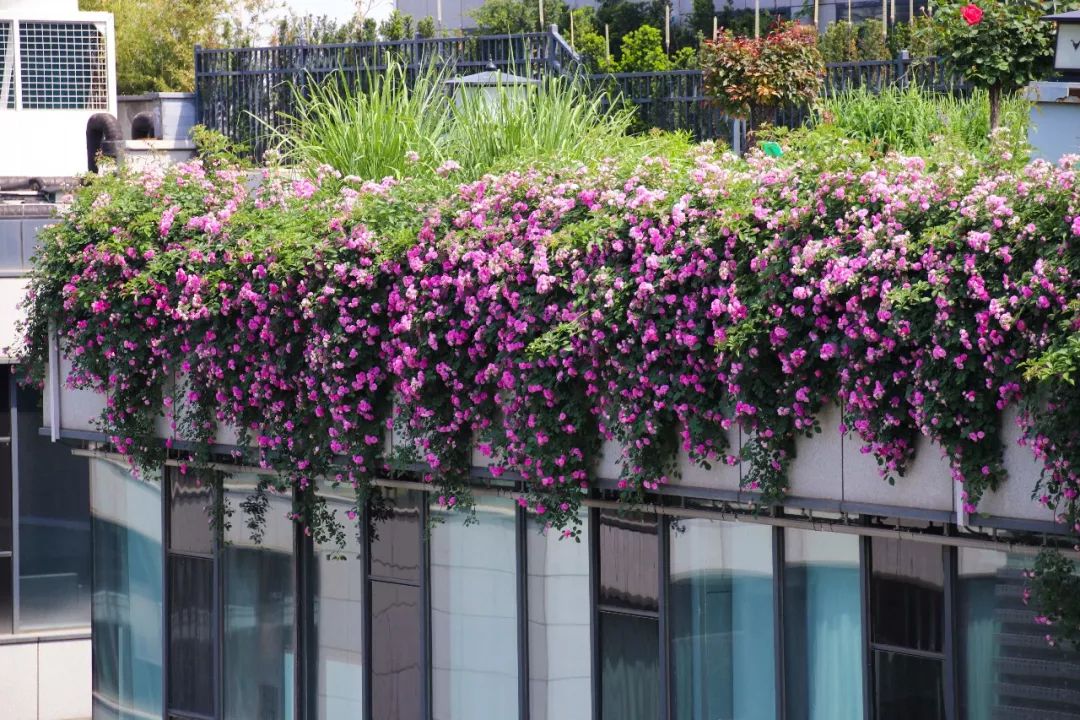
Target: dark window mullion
(522,571)
(425,605)
(868,651)
(950,646)
(594,601)
(778,624)
(664,627)
(365,530)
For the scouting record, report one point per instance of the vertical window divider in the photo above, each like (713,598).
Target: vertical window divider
(365,627)
(13,435)
(949,641)
(779,646)
(594,612)
(303,618)
(522,573)
(868,654)
(166,530)
(425,601)
(218,619)
(662,534)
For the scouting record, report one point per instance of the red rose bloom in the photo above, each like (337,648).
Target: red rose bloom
(972,14)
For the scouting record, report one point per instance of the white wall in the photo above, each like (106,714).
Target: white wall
(46,680)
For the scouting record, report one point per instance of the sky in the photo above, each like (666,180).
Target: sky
(340,9)
(337,9)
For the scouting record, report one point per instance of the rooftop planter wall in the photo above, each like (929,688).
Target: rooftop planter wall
(773,327)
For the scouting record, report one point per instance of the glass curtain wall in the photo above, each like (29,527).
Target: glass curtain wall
(397,609)
(721,614)
(629,615)
(823,640)
(907,625)
(192,636)
(560,652)
(474,669)
(126,594)
(54,525)
(1008,670)
(259,652)
(7,587)
(335,648)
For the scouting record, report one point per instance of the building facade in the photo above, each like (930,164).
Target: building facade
(691,608)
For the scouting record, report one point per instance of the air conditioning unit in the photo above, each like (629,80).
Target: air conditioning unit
(57,69)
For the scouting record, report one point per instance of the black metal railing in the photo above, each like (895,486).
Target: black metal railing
(241,91)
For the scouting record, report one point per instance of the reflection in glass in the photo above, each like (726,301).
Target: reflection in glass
(395,652)
(54,526)
(822,626)
(629,619)
(630,666)
(908,687)
(127,593)
(190,508)
(335,655)
(907,594)
(191,634)
(395,545)
(259,646)
(474,614)
(722,620)
(1008,670)
(5,595)
(629,561)
(560,668)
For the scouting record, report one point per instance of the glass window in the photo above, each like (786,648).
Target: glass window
(126,594)
(560,656)
(396,537)
(1007,668)
(260,615)
(907,599)
(54,526)
(907,594)
(629,629)
(396,676)
(191,634)
(190,512)
(335,658)
(721,613)
(629,562)
(5,595)
(397,628)
(823,641)
(474,613)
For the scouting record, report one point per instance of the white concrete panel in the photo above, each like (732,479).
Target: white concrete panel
(609,464)
(1013,499)
(719,476)
(64,692)
(816,469)
(79,409)
(18,682)
(927,484)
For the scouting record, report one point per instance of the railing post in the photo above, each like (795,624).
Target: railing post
(199,118)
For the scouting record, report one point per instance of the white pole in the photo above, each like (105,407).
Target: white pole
(607,44)
(571,28)
(438,13)
(667,28)
(541,3)
(757,18)
(817,5)
(715,26)
(885,18)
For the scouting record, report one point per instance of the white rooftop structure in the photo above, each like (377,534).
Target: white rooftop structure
(57,69)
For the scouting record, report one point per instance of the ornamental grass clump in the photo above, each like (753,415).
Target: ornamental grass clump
(665,304)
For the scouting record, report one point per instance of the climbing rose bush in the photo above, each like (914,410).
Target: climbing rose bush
(669,305)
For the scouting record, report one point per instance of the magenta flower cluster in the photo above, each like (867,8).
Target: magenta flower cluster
(532,315)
